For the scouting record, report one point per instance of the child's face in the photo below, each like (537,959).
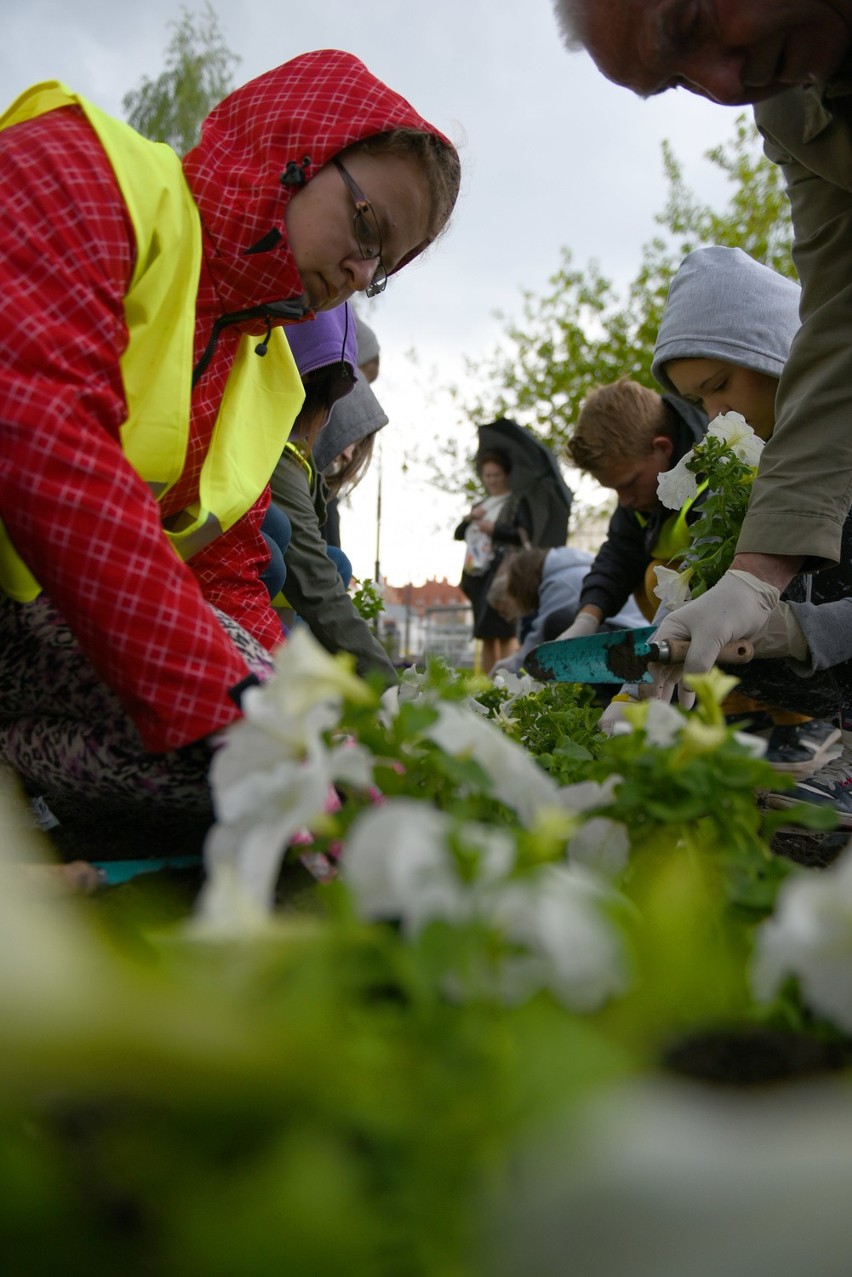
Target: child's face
(321,231)
(635,479)
(719,387)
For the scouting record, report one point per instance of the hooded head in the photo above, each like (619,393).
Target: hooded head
(328,339)
(326,355)
(368,350)
(368,342)
(263,145)
(722,304)
(353,419)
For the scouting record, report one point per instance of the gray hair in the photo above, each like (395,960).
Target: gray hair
(572,17)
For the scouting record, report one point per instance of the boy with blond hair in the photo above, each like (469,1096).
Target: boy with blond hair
(626,436)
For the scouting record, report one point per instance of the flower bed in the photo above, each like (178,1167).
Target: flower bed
(478,1050)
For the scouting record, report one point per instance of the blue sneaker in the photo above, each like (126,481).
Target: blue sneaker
(802,749)
(830,787)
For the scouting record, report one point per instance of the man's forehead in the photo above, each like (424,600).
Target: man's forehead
(627,40)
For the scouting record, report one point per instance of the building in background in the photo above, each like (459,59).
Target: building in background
(432,619)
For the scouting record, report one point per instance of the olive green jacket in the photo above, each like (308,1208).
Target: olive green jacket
(804,485)
(313,587)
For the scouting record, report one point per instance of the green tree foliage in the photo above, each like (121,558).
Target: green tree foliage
(198,75)
(582,333)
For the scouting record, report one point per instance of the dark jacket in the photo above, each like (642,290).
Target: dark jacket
(313,587)
(621,562)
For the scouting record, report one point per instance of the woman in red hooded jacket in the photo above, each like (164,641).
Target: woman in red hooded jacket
(310,183)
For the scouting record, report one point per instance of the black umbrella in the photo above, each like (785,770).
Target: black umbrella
(535,474)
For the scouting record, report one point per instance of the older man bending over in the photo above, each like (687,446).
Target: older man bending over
(793,59)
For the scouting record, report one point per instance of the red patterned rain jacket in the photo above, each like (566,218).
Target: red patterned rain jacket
(80,517)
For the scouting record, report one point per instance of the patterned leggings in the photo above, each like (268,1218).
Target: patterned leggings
(67,735)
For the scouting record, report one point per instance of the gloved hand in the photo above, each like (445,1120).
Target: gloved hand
(584,623)
(736,607)
(781,636)
(614,713)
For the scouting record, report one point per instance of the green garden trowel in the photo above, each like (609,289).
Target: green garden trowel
(619,657)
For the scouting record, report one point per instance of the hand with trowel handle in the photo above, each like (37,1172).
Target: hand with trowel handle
(738,609)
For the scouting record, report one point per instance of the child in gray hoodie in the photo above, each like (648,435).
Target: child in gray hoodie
(723,340)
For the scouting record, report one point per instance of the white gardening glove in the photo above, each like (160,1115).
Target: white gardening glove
(781,636)
(613,715)
(736,607)
(584,623)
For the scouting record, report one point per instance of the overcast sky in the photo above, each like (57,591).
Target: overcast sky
(552,154)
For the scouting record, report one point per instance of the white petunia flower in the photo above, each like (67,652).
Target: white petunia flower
(517,779)
(602,845)
(809,936)
(660,721)
(677,486)
(738,435)
(272,776)
(516,684)
(399,868)
(258,815)
(672,588)
(663,723)
(565,941)
(585,795)
(306,676)
(410,685)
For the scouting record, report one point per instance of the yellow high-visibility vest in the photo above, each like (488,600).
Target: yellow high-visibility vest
(262,395)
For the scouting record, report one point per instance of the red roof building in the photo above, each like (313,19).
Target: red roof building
(430,594)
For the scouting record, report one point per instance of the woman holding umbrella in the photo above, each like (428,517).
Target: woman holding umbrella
(527,502)
(498,523)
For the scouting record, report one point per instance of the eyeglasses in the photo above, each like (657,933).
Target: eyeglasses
(367,233)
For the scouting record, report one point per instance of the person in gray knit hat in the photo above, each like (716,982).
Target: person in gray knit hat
(723,341)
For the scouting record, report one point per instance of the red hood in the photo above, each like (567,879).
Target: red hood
(308,109)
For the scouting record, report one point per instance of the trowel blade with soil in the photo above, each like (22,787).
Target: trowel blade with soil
(620,657)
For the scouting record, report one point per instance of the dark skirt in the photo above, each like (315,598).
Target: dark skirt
(487,624)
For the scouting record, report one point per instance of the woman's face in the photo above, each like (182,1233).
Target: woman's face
(719,387)
(342,459)
(494,479)
(320,226)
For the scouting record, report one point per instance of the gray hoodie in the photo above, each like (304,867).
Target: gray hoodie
(352,419)
(722,304)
